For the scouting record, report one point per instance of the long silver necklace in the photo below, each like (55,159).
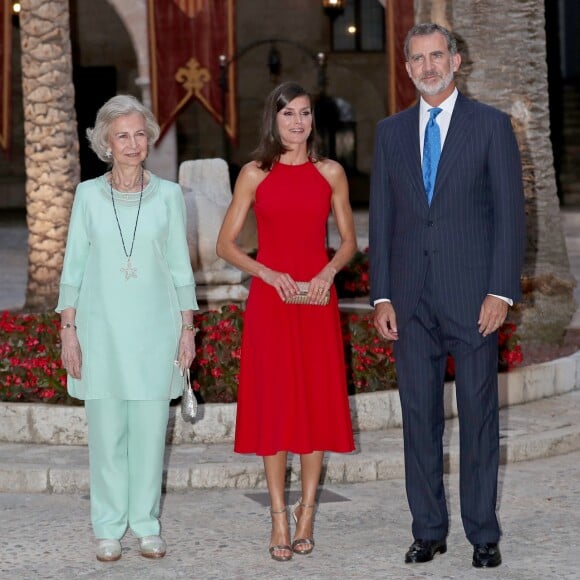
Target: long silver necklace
(129,270)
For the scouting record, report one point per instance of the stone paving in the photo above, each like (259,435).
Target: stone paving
(535,430)
(363,533)
(217,526)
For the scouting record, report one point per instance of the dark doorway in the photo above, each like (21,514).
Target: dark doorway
(93,86)
(336,126)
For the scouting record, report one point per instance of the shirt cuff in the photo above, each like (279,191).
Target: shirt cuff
(379,300)
(67,298)
(508,300)
(186,297)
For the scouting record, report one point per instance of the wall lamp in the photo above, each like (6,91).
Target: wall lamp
(333,8)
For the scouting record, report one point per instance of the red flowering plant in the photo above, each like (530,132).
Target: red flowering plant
(370,362)
(30,366)
(353,280)
(215,370)
(31,371)
(510,351)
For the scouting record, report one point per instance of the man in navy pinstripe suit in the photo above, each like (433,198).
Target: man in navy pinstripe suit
(443,273)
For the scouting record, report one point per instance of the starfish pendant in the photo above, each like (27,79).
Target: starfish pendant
(129,270)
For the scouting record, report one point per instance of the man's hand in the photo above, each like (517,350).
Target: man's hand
(385,320)
(492,314)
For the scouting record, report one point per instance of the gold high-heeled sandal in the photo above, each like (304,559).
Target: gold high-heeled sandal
(280,547)
(302,541)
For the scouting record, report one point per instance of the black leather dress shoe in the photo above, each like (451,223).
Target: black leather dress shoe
(486,555)
(424,550)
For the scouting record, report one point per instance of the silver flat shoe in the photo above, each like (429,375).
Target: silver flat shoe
(108,550)
(152,546)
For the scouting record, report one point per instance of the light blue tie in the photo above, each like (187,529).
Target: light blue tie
(431,152)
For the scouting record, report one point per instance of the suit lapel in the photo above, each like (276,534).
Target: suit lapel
(455,140)
(411,153)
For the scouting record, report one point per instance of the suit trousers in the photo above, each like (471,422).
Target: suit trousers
(421,357)
(126,450)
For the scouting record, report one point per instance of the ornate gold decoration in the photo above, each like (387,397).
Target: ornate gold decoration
(191,7)
(192,76)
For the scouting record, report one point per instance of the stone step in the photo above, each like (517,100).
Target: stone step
(534,430)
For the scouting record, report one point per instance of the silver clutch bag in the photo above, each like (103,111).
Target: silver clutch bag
(302,296)
(188,400)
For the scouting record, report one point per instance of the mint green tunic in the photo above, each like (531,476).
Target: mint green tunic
(128,327)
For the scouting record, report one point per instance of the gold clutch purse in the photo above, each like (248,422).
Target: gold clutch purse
(302,296)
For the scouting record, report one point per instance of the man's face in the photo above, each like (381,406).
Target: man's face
(430,65)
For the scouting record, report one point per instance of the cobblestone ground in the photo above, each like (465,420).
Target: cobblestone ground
(361,534)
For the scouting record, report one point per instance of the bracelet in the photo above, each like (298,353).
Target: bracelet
(67,325)
(190,327)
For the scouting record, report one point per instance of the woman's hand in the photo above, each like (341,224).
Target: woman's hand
(186,351)
(71,355)
(284,284)
(320,285)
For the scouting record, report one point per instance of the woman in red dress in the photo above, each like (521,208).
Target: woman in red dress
(292,395)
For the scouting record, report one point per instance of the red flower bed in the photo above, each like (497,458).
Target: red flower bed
(30,367)
(31,371)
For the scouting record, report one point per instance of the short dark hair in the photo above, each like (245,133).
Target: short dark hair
(270,146)
(426,29)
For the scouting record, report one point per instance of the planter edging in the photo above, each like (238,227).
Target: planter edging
(61,425)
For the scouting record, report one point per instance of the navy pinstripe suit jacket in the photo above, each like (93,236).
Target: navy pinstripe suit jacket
(472,235)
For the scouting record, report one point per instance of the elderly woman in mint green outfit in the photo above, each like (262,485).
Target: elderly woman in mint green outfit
(127,297)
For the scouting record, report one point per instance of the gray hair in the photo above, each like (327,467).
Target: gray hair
(426,29)
(115,107)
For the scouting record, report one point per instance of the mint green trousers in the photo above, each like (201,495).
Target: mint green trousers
(126,450)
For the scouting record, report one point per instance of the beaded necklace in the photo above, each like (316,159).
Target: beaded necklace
(129,270)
